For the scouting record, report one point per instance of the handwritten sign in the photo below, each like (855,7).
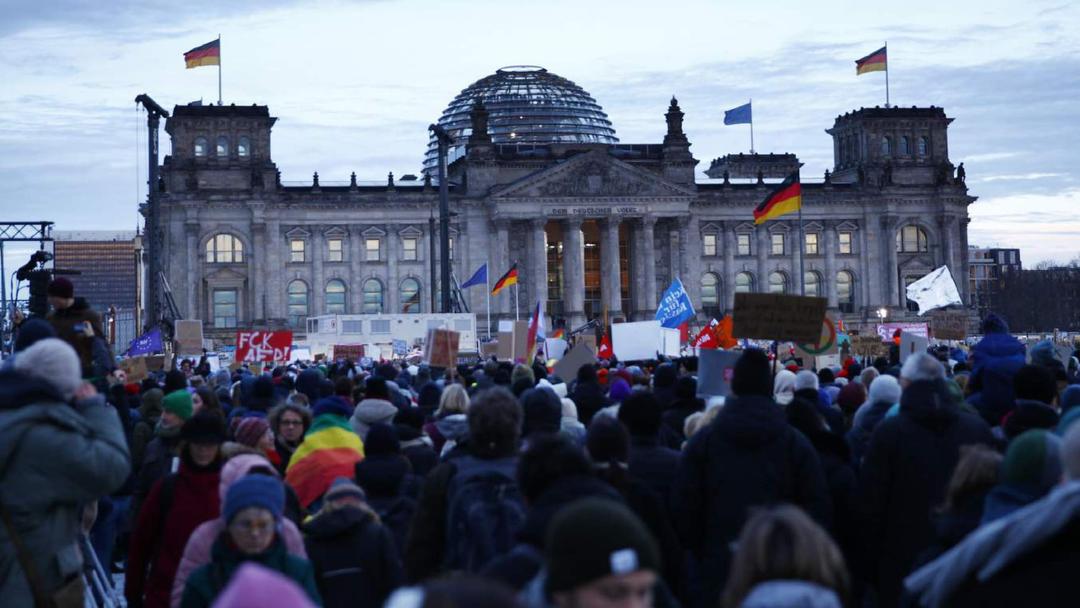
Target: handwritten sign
(949,325)
(263,346)
(769,316)
(887,330)
(441,348)
(189,337)
(351,352)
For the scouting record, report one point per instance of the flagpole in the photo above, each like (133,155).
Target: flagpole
(487,285)
(517,310)
(886,73)
(219,70)
(751,125)
(802,244)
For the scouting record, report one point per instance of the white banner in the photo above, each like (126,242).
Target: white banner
(935,290)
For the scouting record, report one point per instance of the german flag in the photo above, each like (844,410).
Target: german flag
(508,279)
(874,62)
(787,198)
(207,54)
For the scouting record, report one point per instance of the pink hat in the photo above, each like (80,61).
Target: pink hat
(251,430)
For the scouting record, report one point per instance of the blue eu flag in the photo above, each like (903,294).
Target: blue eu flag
(478,278)
(739,116)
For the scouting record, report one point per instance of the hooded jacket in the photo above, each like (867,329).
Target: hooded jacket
(64,322)
(149,414)
(748,456)
(53,459)
(370,411)
(447,430)
(355,559)
(208,581)
(199,545)
(995,360)
(790,594)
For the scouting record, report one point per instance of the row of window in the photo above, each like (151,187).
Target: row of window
(910,239)
(227,249)
(778,283)
(336,296)
(221,150)
(850,147)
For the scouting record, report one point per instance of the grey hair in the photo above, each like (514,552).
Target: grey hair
(921,366)
(1070,452)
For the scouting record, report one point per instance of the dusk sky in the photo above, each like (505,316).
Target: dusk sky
(355,84)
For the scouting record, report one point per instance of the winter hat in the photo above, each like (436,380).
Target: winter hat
(32,331)
(381,439)
(541,411)
(1070,398)
(751,374)
(619,390)
(204,428)
(344,487)
(607,440)
(1044,354)
(784,387)
(255,586)
(151,402)
(222,378)
(179,402)
(885,389)
(1033,459)
(806,379)
(331,405)
(569,408)
(994,324)
(61,287)
(375,388)
(52,361)
(851,397)
(261,491)
(594,538)
(251,430)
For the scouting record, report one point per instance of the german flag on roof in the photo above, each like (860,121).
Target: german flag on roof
(874,62)
(508,279)
(207,54)
(787,198)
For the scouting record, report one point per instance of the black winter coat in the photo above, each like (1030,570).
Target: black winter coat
(844,494)
(749,456)
(653,465)
(355,559)
(904,475)
(673,422)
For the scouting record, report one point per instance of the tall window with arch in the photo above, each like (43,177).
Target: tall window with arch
(886,146)
(410,295)
(201,147)
(373,297)
(243,147)
(710,294)
(845,291)
(222,150)
(905,145)
(812,283)
(924,146)
(224,249)
(297,303)
(911,239)
(744,282)
(777,282)
(335,297)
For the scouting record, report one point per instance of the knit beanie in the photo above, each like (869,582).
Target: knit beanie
(594,538)
(620,390)
(32,331)
(179,403)
(54,362)
(331,405)
(343,487)
(204,428)
(261,491)
(522,372)
(255,586)
(151,401)
(61,287)
(751,375)
(1033,459)
(381,439)
(806,379)
(885,389)
(251,430)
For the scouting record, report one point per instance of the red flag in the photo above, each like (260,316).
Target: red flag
(684,332)
(723,331)
(605,351)
(707,337)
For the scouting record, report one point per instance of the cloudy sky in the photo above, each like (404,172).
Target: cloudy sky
(355,84)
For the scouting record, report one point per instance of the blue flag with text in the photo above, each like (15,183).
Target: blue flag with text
(675,306)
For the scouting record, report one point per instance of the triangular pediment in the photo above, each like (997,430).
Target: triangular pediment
(847,226)
(336,232)
(410,232)
(745,227)
(373,231)
(593,174)
(298,233)
(225,274)
(710,227)
(813,227)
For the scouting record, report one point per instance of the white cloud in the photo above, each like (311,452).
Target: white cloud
(1018,177)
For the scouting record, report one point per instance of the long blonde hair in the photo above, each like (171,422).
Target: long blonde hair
(453,400)
(784,543)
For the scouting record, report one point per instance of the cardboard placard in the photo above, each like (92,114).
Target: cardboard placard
(135,368)
(506,325)
(588,340)
(823,361)
(556,347)
(716,368)
(155,363)
(189,337)
(949,324)
(670,342)
(911,344)
(401,348)
(441,348)
(505,343)
(352,352)
(869,346)
(769,316)
(638,341)
(263,346)
(490,349)
(521,342)
(567,367)
(300,354)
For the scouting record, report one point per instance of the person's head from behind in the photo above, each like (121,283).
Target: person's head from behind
(586,373)
(751,375)
(641,414)
(975,474)
(599,555)
(453,400)
(252,511)
(61,293)
(921,367)
(548,459)
(53,362)
(344,493)
(783,543)
(1070,452)
(203,435)
(375,388)
(1035,383)
(494,418)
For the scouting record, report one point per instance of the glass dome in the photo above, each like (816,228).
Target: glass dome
(526,104)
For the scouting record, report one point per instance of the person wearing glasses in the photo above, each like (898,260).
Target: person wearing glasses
(289,423)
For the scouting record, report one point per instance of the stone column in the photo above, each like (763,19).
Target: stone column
(729,243)
(390,250)
(356,269)
(690,240)
(318,281)
(869,255)
(275,271)
(675,250)
(256,286)
(503,303)
(648,261)
(796,245)
(763,248)
(831,243)
(573,272)
(888,237)
(191,235)
(539,268)
(611,278)
(965,286)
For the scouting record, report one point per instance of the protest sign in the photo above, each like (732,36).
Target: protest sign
(263,346)
(886,330)
(506,325)
(135,368)
(675,306)
(351,352)
(823,361)
(490,349)
(716,368)
(826,344)
(869,345)
(567,367)
(636,341)
(911,344)
(587,339)
(949,324)
(214,362)
(300,354)
(556,348)
(670,342)
(441,348)
(521,342)
(770,316)
(505,345)
(401,348)
(189,337)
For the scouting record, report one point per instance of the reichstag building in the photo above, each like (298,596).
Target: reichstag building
(538,177)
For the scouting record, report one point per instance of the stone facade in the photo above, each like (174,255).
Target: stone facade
(594,228)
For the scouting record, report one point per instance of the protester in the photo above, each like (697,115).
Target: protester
(255,433)
(449,424)
(143,432)
(995,359)
(330,449)
(161,455)
(541,411)
(569,425)
(1032,468)
(784,387)
(884,394)
(650,463)
(415,445)
(288,423)
(76,323)
(588,395)
(686,403)
(1036,394)
(375,407)
(254,586)
(386,478)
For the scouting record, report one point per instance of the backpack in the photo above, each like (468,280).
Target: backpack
(485,512)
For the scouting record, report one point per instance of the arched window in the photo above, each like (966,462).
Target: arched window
(298,303)
(710,293)
(845,291)
(777,282)
(200,147)
(911,239)
(924,146)
(812,282)
(373,297)
(335,297)
(243,147)
(410,295)
(222,147)
(744,282)
(224,249)
(905,145)
(886,146)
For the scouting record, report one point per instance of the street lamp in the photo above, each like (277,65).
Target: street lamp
(882,313)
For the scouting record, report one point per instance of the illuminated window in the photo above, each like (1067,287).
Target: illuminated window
(224,249)
(845,291)
(812,283)
(777,282)
(371,249)
(710,293)
(708,242)
(409,247)
(778,244)
(225,308)
(335,250)
(845,243)
(200,147)
(222,147)
(335,297)
(243,147)
(742,246)
(744,282)
(410,295)
(296,250)
(811,243)
(911,239)
(373,297)
(298,303)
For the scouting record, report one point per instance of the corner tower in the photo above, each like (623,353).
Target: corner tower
(886,146)
(219,148)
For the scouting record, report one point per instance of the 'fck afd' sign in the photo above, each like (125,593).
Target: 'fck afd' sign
(261,346)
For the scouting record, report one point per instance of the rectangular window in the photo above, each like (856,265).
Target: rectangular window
(743,244)
(845,243)
(296,250)
(225,308)
(371,247)
(708,242)
(778,244)
(409,245)
(450,241)
(351,327)
(335,250)
(811,243)
(380,326)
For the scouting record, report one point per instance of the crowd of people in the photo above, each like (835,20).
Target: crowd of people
(952,479)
